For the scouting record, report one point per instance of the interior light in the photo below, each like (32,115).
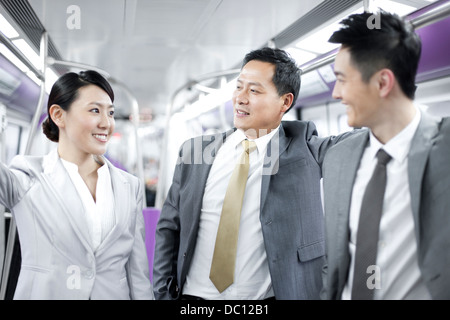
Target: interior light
(12,57)
(33,77)
(393,7)
(28,52)
(318,41)
(50,79)
(7,29)
(301,56)
(210,101)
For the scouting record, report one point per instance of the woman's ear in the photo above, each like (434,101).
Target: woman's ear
(56,113)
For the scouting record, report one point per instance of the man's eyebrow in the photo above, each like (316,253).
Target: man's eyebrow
(252,83)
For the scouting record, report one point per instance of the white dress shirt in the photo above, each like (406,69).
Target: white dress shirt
(397,245)
(100,216)
(252,278)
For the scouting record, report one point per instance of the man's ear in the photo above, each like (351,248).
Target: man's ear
(57,115)
(386,81)
(288,98)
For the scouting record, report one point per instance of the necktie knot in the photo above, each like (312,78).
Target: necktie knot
(383,157)
(249,146)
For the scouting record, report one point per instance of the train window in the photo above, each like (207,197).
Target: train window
(12,141)
(433,97)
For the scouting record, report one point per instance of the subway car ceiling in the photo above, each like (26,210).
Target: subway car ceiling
(167,54)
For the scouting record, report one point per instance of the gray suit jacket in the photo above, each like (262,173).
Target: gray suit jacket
(58,260)
(291,212)
(429,182)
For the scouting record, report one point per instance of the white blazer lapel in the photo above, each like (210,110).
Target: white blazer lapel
(122,205)
(58,180)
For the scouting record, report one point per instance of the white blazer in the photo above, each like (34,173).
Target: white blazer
(58,260)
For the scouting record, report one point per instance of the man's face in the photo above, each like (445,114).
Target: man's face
(361,98)
(257,106)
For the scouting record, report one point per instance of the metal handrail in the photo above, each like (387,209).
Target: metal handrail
(12,225)
(432,16)
(8,43)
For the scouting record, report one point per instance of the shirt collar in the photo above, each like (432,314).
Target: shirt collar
(261,142)
(52,158)
(398,146)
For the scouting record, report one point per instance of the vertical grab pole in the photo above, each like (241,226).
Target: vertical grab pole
(135,122)
(12,226)
(3,124)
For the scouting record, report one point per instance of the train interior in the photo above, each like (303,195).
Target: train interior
(173,66)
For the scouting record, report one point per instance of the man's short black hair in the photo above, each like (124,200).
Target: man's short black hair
(382,40)
(287,74)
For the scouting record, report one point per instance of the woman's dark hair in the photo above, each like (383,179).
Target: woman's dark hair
(287,75)
(393,44)
(65,91)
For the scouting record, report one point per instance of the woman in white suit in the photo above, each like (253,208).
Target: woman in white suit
(79,218)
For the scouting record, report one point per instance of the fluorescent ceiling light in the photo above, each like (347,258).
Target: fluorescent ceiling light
(12,57)
(300,56)
(317,41)
(7,29)
(392,7)
(211,101)
(50,75)
(33,77)
(50,79)
(34,58)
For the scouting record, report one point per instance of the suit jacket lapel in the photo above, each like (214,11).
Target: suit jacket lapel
(275,149)
(347,174)
(122,205)
(209,151)
(417,160)
(58,180)
(344,189)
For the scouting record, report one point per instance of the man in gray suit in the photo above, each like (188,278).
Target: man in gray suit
(281,237)
(375,70)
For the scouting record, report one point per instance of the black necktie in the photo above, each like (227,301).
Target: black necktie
(368,229)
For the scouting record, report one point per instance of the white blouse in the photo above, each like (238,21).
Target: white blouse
(100,216)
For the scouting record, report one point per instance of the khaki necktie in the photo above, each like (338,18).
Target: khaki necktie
(224,258)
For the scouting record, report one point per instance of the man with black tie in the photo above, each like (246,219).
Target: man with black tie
(386,188)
